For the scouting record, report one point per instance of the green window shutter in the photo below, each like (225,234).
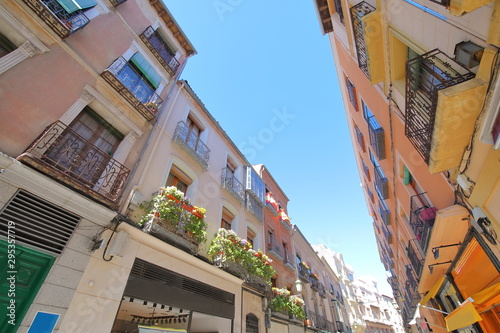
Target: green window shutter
(73,5)
(407,178)
(146,69)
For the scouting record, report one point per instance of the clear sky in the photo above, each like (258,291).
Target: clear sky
(266,73)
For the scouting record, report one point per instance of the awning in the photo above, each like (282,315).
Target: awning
(465,315)
(71,6)
(141,63)
(433,291)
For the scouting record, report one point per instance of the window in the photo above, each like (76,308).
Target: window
(6,46)
(285,250)
(252,323)
(160,47)
(360,138)
(85,147)
(250,236)
(178,179)
(351,91)
(227,219)
(230,168)
(270,239)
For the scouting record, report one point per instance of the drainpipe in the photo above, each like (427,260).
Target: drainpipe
(146,145)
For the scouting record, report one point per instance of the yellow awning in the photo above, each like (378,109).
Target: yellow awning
(465,315)
(487,297)
(433,291)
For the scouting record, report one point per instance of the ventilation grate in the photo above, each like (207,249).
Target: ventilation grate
(156,273)
(38,222)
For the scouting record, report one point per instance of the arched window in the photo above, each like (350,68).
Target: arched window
(252,323)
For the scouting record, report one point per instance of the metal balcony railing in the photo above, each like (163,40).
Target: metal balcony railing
(233,185)
(303,272)
(422,218)
(192,143)
(254,206)
(377,140)
(275,250)
(320,322)
(387,233)
(357,12)
(57,18)
(384,212)
(351,90)
(322,290)
(158,46)
(425,76)
(381,183)
(314,282)
(338,9)
(415,256)
(361,139)
(64,154)
(133,87)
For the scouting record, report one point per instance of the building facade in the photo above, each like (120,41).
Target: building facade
(419,83)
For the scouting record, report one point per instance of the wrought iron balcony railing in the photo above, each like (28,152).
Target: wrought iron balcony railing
(314,282)
(385,213)
(254,206)
(320,322)
(338,9)
(304,273)
(381,183)
(233,185)
(65,155)
(357,12)
(274,250)
(422,218)
(415,256)
(133,87)
(322,290)
(361,139)
(57,18)
(412,295)
(387,233)
(159,47)
(116,3)
(377,140)
(191,142)
(425,76)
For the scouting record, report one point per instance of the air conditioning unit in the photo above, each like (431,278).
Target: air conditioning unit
(483,225)
(468,54)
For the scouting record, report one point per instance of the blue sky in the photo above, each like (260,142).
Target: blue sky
(266,73)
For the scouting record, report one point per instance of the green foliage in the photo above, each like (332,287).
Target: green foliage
(176,213)
(283,302)
(227,247)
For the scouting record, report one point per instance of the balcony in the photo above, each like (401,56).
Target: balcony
(319,322)
(367,28)
(65,155)
(160,49)
(192,144)
(366,171)
(361,139)
(381,183)
(304,272)
(254,206)
(422,218)
(384,212)
(322,290)
(62,21)
(274,250)
(174,220)
(439,123)
(272,204)
(377,140)
(387,233)
(415,256)
(131,86)
(284,220)
(313,278)
(233,185)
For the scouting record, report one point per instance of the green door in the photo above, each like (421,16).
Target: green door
(27,275)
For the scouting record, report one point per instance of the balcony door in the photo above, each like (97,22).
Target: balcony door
(85,147)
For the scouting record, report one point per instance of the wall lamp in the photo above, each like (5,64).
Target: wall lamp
(431,267)
(435,250)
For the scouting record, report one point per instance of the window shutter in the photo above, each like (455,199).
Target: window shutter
(73,5)
(407,178)
(146,69)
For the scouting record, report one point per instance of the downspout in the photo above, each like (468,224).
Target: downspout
(146,145)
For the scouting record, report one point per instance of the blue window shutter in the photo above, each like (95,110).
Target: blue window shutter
(146,69)
(73,5)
